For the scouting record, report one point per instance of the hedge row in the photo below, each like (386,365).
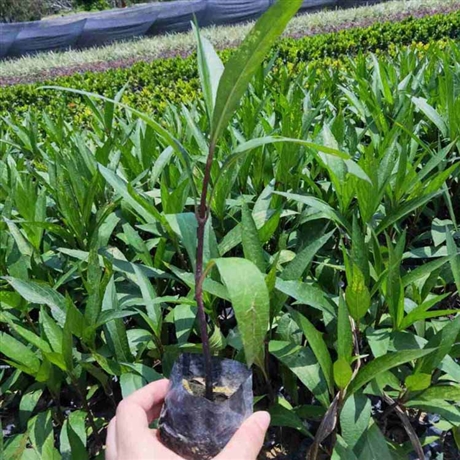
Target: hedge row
(151,86)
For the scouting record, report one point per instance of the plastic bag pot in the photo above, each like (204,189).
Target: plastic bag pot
(194,427)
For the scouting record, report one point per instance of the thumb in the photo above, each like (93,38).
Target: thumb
(248,440)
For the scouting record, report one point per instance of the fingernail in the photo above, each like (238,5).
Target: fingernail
(263,419)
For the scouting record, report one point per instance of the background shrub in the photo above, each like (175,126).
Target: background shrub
(21,10)
(152,85)
(105,4)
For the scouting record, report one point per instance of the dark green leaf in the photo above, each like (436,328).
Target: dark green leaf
(252,246)
(302,362)
(318,346)
(355,418)
(282,416)
(344,332)
(382,364)
(306,294)
(441,343)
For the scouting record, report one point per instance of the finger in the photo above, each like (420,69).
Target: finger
(137,411)
(149,398)
(111,441)
(248,440)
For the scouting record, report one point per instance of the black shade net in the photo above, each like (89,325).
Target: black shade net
(96,29)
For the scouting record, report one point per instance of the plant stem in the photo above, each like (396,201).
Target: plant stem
(59,415)
(202,215)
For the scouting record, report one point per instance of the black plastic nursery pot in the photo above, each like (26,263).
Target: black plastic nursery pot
(195,427)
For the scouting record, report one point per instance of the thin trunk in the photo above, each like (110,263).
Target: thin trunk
(202,215)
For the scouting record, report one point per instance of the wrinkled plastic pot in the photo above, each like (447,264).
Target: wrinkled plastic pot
(194,427)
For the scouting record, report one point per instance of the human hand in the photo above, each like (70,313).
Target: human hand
(130,438)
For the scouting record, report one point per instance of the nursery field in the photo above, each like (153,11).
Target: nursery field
(315,222)
(125,54)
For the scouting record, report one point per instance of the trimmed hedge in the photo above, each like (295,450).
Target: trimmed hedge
(151,86)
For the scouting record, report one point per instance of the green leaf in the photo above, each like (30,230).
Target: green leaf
(424,270)
(295,269)
(18,352)
(342,451)
(16,448)
(382,364)
(320,206)
(355,418)
(164,133)
(41,435)
(93,283)
(418,381)
(76,319)
(252,247)
(360,250)
(185,226)
(244,62)
(148,295)
(41,294)
(250,300)
(446,410)
(262,141)
(217,340)
(344,332)
(160,164)
(442,343)
(133,240)
(52,331)
(284,417)
(138,203)
(28,403)
(115,330)
(420,312)
(317,345)
(210,69)
(357,294)
(73,437)
(455,433)
(184,319)
(130,383)
(376,446)
(209,285)
(402,211)
(342,373)
(67,345)
(431,114)
(149,374)
(446,392)
(302,362)
(31,338)
(306,294)
(24,246)
(379,341)
(454,258)
(394,289)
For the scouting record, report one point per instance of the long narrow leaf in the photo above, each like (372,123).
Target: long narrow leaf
(245,61)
